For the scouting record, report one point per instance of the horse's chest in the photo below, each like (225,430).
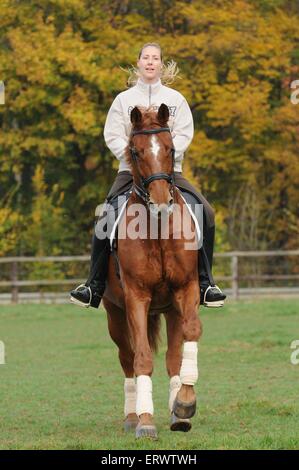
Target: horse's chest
(158,264)
(164,268)
(173,269)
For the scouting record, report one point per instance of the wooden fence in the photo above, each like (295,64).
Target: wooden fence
(235,278)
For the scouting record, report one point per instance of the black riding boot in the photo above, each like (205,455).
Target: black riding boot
(210,294)
(91,293)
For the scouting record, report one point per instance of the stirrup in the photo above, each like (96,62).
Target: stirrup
(217,303)
(78,302)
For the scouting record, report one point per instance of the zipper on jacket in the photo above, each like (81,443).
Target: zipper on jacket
(150,94)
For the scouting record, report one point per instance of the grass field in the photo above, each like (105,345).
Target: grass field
(61,386)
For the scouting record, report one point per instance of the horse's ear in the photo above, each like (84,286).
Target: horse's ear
(163,114)
(135,116)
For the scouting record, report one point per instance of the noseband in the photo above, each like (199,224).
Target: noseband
(142,190)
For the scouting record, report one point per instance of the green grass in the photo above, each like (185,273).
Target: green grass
(61,386)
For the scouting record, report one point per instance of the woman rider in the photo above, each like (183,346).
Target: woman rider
(147,91)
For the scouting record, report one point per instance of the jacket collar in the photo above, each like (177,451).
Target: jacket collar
(145,87)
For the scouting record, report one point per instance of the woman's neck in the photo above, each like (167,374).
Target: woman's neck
(149,82)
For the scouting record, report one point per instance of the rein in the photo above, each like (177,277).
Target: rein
(142,190)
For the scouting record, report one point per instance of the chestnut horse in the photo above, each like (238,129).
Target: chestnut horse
(156,276)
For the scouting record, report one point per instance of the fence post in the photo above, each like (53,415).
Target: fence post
(14,278)
(235,285)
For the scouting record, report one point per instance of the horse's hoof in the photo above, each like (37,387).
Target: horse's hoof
(184,410)
(130,423)
(178,424)
(146,430)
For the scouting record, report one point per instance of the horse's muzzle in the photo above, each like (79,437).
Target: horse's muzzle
(161,209)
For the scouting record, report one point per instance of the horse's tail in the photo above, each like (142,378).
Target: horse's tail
(153,331)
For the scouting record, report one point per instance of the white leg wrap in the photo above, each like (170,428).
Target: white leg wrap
(144,402)
(174,387)
(189,371)
(130,396)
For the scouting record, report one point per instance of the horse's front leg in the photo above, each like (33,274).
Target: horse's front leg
(173,363)
(118,329)
(187,302)
(137,305)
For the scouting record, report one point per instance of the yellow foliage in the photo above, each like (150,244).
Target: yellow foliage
(9,225)
(61,64)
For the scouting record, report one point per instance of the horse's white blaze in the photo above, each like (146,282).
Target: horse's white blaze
(155,146)
(189,370)
(144,403)
(130,396)
(174,386)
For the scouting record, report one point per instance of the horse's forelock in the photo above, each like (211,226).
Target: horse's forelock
(149,118)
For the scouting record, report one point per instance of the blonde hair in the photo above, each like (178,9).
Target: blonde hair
(169,70)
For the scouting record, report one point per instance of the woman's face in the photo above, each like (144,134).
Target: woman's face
(149,64)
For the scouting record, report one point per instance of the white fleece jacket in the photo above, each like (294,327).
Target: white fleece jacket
(118,125)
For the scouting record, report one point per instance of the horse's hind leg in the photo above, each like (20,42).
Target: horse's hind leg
(118,329)
(187,302)
(173,364)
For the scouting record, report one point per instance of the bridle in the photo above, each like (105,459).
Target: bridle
(142,190)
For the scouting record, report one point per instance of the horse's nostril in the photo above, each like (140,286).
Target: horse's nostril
(170,202)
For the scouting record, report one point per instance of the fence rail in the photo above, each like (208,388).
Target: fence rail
(235,278)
